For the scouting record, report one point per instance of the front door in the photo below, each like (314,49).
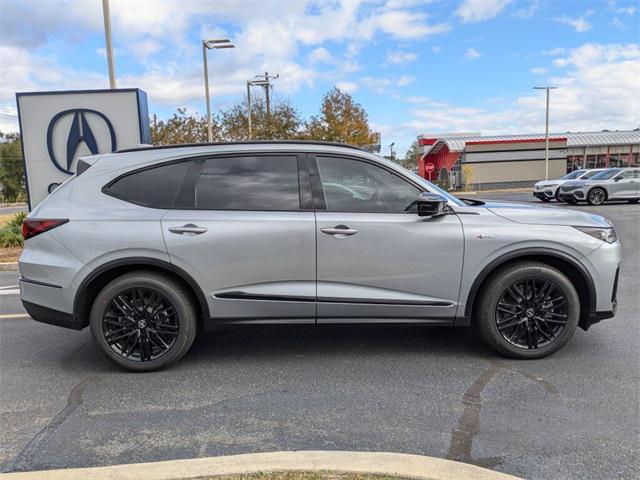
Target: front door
(376,261)
(239,225)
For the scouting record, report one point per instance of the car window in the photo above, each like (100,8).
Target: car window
(354,186)
(152,187)
(262,182)
(627,174)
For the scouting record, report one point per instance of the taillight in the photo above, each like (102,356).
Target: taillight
(35,226)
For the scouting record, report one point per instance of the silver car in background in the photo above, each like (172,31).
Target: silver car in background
(149,246)
(547,190)
(611,184)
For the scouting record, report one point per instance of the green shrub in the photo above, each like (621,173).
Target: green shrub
(11,233)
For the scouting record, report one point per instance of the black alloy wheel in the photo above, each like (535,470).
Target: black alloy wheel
(144,320)
(597,196)
(527,310)
(532,313)
(140,324)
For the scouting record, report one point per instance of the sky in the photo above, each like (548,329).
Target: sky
(416,66)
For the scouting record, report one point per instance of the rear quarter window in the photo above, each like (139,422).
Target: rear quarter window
(153,187)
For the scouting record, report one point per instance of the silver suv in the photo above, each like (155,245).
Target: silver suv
(149,246)
(611,184)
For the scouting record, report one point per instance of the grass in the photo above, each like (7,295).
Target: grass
(302,476)
(11,231)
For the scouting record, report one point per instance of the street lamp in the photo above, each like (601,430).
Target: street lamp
(546,132)
(107,39)
(208,45)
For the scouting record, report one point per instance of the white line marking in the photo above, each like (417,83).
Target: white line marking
(8,286)
(14,315)
(10,292)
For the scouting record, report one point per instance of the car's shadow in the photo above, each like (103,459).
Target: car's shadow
(329,341)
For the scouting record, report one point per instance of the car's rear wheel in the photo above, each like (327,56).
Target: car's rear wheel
(144,321)
(528,310)
(597,196)
(545,199)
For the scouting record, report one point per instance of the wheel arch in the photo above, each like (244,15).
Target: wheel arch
(93,283)
(577,274)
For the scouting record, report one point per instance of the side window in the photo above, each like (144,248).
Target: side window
(152,187)
(355,186)
(627,174)
(267,182)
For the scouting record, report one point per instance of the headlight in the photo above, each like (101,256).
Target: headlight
(551,186)
(605,234)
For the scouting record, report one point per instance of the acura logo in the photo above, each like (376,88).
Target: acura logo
(80,132)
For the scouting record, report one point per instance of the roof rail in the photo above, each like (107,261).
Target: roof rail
(242,142)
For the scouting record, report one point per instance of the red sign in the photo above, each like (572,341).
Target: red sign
(429,167)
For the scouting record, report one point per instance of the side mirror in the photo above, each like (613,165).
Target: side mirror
(617,179)
(431,204)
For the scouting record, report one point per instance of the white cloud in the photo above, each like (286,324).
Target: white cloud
(480,10)
(348,87)
(320,55)
(613,7)
(619,24)
(383,85)
(580,24)
(402,24)
(528,11)
(589,98)
(539,70)
(405,80)
(396,58)
(472,54)
(436,49)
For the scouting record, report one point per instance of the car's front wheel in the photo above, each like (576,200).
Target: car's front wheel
(143,321)
(597,196)
(527,310)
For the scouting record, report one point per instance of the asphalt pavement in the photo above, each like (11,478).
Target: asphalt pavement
(431,391)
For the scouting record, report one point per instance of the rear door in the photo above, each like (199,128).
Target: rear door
(623,185)
(376,261)
(243,224)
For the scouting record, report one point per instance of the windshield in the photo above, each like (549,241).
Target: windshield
(572,175)
(592,174)
(607,174)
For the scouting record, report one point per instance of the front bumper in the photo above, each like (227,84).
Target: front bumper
(575,196)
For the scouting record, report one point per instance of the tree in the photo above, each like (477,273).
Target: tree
(182,128)
(341,119)
(282,124)
(410,160)
(11,169)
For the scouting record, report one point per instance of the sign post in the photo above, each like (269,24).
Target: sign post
(58,127)
(429,168)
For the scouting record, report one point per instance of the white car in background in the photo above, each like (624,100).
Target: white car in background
(547,190)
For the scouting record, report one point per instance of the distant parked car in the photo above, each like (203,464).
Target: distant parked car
(547,190)
(612,184)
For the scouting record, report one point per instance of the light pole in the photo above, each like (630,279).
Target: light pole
(208,45)
(107,37)
(546,132)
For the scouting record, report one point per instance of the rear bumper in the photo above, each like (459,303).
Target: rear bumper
(51,316)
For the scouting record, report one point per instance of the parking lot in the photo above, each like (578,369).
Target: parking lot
(431,391)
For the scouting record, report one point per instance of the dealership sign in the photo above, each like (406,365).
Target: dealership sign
(58,127)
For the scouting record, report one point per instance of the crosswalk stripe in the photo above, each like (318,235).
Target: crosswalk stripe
(10,292)
(13,315)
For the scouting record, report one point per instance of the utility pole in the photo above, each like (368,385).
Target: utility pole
(209,45)
(261,81)
(107,37)
(546,132)
(249,107)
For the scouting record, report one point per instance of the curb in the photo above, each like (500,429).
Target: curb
(8,266)
(379,463)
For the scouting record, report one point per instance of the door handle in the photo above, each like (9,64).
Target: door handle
(339,231)
(188,229)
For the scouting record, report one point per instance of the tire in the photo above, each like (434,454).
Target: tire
(545,199)
(596,196)
(557,196)
(504,332)
(126,332)
(571,201)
